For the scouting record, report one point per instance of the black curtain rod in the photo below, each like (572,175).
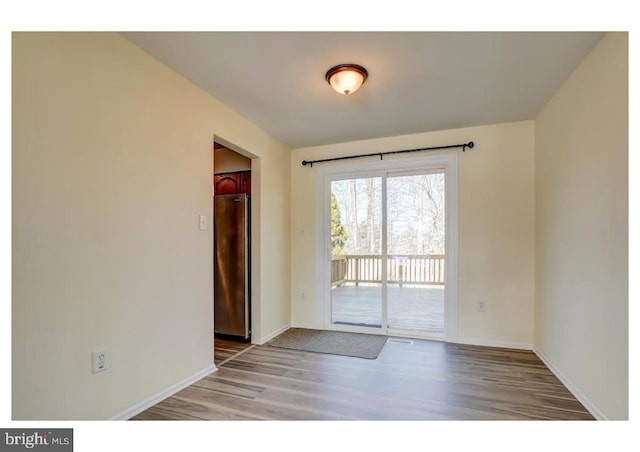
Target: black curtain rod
(464,147)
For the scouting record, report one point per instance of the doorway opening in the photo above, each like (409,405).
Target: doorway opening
(232,244)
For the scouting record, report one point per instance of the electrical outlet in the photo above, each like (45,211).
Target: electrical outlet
(482,306)
(99,360)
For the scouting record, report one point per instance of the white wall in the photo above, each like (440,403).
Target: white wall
(581,166)
(112,157)
(496,230)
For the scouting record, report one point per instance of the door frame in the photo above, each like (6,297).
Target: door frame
(255,287)
(446,161)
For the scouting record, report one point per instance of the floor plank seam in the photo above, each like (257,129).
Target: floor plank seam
(218,391)
(236,355)
(566,409)
(225,409)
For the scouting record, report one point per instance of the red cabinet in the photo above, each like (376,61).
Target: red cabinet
(232,183)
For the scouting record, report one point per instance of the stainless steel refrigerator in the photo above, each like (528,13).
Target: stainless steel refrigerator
(231,266)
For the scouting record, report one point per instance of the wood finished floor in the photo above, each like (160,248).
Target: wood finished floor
(427,380)
(225,349)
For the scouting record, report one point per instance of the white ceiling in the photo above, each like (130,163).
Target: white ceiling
(418,81)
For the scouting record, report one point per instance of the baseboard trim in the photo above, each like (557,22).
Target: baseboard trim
(159,397)
(489,343)
(266,339)
(591,408)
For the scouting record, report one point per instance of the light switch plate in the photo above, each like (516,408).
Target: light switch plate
(203,222)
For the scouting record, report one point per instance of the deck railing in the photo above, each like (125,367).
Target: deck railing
(425,269)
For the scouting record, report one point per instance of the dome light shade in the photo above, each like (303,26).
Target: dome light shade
(346,78)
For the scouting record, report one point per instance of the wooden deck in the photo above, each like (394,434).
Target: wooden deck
(410,308)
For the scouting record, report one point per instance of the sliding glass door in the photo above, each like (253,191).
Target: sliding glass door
(415,252)
(356,252)
(387,240)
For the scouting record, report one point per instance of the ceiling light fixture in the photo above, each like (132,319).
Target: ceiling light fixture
(346,78)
